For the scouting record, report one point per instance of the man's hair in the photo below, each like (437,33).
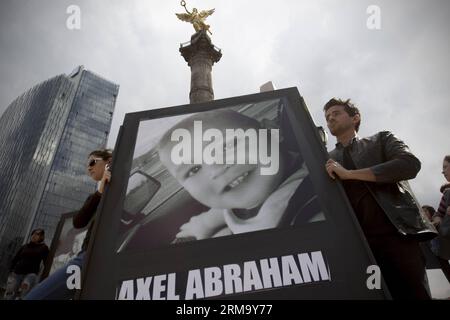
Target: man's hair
(447,158)
(39,230)
(105,154)
(349,107)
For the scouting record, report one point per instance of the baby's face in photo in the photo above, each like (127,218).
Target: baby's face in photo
(225,186)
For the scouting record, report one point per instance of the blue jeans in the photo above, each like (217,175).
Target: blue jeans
(55,286)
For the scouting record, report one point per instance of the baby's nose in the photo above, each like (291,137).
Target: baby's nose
(218,170)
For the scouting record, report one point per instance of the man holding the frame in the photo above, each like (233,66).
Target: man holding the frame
(372,171)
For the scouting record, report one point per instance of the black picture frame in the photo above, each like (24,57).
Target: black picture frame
(62,242)
(339,238)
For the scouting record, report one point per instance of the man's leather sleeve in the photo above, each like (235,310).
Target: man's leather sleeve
(400,164)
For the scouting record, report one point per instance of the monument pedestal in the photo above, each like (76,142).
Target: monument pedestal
(200,54)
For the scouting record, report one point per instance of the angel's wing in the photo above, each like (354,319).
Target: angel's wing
(205,13)
(184,17)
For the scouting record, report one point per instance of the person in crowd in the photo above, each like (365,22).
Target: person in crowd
(372,171)
(441,245)
(430,212)
(435,247)
(25,266)
(55,287)
(444,207)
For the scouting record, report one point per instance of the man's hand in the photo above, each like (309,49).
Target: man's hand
(335,169)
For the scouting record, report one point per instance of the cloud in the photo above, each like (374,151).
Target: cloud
(397,75)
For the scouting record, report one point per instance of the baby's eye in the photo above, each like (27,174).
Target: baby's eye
(193,171)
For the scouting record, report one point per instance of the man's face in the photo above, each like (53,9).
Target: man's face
(446,170)
(339,121)
(223,186)
(37,237)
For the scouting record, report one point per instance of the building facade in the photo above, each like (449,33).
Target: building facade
(46,135)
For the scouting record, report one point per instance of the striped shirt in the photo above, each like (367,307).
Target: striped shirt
(445,201)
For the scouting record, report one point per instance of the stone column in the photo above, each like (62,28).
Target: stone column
(200,54)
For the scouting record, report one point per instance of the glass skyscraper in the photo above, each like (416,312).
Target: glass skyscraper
(46,135)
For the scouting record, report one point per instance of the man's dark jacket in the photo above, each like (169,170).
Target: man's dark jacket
(391,162)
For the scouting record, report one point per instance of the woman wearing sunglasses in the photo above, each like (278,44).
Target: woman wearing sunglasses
(55,286)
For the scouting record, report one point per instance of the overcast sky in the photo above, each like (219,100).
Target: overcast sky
(398,75)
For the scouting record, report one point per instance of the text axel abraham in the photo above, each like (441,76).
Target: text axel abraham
(230,279)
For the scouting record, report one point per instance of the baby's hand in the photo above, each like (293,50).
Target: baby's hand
(194,229)
(202,226)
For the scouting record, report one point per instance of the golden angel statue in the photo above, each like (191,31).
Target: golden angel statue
(196,18)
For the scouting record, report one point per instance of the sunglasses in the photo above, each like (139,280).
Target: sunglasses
(93,162)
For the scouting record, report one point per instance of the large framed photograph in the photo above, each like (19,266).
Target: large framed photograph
(226,199)
(66,244)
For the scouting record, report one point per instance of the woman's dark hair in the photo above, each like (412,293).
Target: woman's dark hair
(444,187)
(105,154)
(447,158)
(430,209)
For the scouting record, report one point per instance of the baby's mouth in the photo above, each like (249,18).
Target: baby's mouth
(233,184)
